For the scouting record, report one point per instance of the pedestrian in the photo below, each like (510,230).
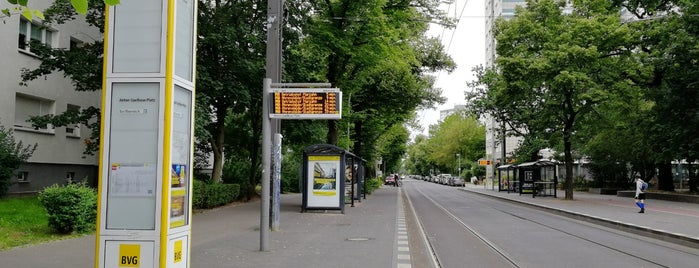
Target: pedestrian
(640,197)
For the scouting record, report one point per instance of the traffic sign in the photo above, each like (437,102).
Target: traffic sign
(484,162)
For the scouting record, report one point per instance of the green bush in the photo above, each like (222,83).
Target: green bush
(237,171)
(12,155)
(71,208)
(373,184)
(209,195)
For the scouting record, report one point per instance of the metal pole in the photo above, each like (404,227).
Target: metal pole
(273,74)
(266,154)
(276,179)
(273,56)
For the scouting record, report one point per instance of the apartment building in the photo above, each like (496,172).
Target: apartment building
(495,144)
(443,114)
(59,157)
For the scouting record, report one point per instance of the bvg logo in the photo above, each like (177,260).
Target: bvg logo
(129,255)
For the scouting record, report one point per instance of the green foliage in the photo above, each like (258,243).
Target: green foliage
(478,171)
(391,146)
(71,208)
(379,55)
(291,172)
(229,79)
(12,155)
(458,137)
(373,184)
(237,171)
(581,184)
(22,7)
(210,195)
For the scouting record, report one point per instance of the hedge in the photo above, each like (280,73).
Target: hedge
(209,195)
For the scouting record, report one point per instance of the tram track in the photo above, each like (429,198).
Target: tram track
(512,261)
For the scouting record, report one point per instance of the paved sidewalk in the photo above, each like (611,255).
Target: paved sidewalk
(365,236)
(666,220)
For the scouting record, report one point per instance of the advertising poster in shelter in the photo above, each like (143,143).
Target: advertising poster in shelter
(528,184)
(323,181)
(178,192)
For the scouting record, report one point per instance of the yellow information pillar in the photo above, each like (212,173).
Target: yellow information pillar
(145,176)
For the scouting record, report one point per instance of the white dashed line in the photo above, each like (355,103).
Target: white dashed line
(402,243)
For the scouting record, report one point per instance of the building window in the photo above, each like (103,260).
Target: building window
(508,13)
(73,130)
(70,177)
(76,43)
(31,31)
(23,176)
(27,106)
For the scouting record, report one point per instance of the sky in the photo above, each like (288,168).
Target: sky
(466,45)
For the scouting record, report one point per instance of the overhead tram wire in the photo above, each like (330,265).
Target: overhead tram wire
(458,20)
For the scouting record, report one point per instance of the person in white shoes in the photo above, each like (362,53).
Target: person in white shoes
(640,196)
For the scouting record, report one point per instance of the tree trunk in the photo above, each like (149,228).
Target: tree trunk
(217,141)
(255,150)
(569,167)
(665,181)
(332,132)
(692,178)
(358,139)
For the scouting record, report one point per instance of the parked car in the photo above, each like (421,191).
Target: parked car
(389,180)
(444,178)
(456,181)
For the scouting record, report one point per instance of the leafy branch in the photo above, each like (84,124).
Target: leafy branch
(22,7)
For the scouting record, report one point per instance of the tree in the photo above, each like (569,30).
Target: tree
(82,64)
(12,155)
(459,136)
(375,51)
(391,146)
(554,69)
(669,42)
(676,93)
(230,70)
(22,7)
(418,160)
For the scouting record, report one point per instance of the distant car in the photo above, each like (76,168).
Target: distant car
(389,180)
(456,181)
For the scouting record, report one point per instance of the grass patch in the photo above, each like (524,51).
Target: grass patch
(23,221)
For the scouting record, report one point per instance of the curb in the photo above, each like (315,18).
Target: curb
(622,226)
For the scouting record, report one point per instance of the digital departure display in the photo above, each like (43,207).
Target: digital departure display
(307,104)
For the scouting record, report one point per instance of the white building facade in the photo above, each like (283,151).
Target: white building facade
(58,158)
(495,144)
(443,114)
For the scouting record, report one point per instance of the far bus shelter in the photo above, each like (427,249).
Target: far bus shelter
(537,178)
(507,178)
(332,177)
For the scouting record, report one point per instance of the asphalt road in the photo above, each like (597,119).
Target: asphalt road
(467,230)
